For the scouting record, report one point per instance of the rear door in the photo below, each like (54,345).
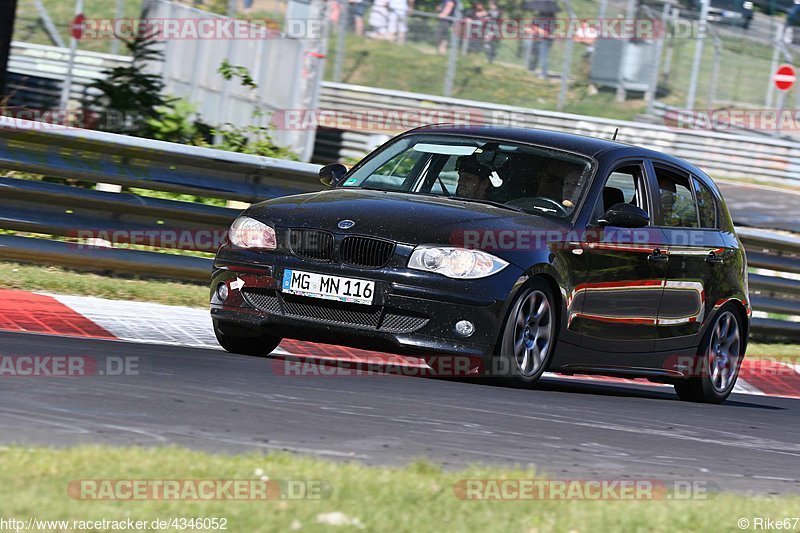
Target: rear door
(688,215)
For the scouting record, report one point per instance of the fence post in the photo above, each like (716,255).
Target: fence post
(776,52)
(338,64)
(653,89)
(73,48)
(566,68)
(698,54)
(452,56)
(712,89)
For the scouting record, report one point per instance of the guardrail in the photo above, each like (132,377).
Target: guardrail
(64,211)
(732,155)
(720,154)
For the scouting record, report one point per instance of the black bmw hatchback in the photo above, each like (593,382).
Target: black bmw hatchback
(526,250)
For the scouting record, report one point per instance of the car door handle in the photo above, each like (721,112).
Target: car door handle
(658,256)
(714,259)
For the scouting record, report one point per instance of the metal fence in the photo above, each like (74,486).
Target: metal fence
(58,211)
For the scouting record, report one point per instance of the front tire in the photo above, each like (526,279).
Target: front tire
(719,356)
(243,341)
(529,336)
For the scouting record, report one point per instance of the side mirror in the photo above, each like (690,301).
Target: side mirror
(331,175)
(624,216)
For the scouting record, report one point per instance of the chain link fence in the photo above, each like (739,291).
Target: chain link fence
(385,44)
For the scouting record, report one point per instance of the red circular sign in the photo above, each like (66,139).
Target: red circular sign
(76,27)
(784,77)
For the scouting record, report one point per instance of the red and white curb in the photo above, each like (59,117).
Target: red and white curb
(141,322)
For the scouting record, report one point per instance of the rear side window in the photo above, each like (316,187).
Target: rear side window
(706,205)
(678,206)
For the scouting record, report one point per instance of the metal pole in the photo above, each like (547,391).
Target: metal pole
(630,12)
(671,48)
(319,48)
(338,63)
(781,104)
(776,52)
(565,72)
(652,91)
(73,47)
(698,54)
(452,56)
(232,4)
(712,89)
(119,15)
(601,11)
(49,27)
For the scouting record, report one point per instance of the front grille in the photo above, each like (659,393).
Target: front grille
(326,311)
(318,310)
(402,323)
(263,301)
(365,252)
(311,244)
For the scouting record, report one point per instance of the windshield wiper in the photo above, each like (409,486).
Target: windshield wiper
(486,202)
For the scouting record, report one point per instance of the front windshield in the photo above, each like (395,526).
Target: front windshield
(526,178)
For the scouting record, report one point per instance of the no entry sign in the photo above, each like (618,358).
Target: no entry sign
(76,27)
(784,77)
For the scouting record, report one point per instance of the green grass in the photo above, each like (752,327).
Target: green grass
(419,497)
(778,352)
(418,68)
(64,281)
(62,12)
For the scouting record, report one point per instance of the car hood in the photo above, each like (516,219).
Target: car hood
(406,218)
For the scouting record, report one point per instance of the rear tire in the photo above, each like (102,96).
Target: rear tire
(244,341)
(529,336)
(718,359)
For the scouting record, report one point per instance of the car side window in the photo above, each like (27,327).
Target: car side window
(624,185)
(678,206)
(707,205)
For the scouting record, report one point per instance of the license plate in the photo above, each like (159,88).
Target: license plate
(350,290)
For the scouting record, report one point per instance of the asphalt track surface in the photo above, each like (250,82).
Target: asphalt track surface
(210,400)
(762,206)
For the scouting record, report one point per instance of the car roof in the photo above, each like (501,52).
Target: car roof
(570,142)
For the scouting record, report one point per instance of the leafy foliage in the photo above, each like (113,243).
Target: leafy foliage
(250,139)
(130,91)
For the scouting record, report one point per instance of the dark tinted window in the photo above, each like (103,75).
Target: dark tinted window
(678,207)
(706,205)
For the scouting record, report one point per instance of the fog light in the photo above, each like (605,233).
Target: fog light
(465,328)
(222,291)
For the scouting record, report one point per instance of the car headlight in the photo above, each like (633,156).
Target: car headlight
(248,232)
(458,263)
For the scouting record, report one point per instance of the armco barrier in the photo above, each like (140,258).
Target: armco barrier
(719,154)
(61,210)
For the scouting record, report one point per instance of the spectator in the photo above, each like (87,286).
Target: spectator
(357,9)
(379,19)
(448,10)
(491,35)
(544,12)
(397,28)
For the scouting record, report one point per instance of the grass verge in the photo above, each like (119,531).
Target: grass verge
(419,497)
(63,281)
(781,352)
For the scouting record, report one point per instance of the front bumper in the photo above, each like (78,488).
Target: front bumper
(413,313)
